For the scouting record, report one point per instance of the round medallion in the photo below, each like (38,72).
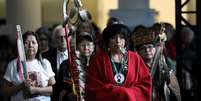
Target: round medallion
(119,78)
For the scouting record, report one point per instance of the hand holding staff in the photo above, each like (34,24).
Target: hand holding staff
(21,51)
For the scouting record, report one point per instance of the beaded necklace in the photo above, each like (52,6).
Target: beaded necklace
(119,75)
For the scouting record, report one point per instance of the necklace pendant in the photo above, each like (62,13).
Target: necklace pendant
(119,78)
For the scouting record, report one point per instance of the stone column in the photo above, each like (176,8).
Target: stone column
(134,12)
(26,13)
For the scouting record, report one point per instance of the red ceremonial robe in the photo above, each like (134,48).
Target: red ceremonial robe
(100,84)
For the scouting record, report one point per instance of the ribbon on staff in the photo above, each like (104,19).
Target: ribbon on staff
(71,51)
(21,60)
(73,14)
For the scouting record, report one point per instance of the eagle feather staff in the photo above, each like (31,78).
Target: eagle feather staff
(73,15)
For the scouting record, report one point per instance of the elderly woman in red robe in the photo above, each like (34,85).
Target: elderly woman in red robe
(116,74)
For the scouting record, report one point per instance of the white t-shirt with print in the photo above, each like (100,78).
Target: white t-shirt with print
(38,73)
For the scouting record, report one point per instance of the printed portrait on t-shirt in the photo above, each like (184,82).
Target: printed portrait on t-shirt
(35,78)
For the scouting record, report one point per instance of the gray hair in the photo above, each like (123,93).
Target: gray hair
(55,31)
(54,34)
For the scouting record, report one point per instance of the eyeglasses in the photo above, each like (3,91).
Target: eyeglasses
(60,37)
(147,46)
(86,44)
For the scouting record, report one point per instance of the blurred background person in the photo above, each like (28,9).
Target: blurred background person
(44,36)
(137,29)
(187,60)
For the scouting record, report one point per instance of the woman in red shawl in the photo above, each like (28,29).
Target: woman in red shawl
(116,74)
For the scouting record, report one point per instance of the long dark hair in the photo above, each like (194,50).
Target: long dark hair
(28,33)
(24,37)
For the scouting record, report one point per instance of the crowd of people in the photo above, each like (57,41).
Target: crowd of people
(119,63)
